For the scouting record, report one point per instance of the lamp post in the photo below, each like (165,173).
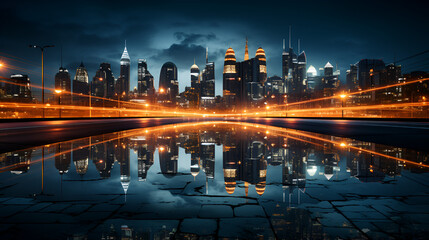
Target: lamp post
(342,96)
(58,91)
(90,100)
(43,84)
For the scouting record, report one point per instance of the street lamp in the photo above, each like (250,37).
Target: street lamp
(58,91)
(342,96)
(43,84)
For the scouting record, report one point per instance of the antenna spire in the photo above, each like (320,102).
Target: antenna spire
(246,52)
(283,44)
(299,45)
(290,35)
(61,56)
(207,54)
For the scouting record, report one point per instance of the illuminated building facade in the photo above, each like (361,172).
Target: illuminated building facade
(168,83)
(123,82)
(81,86)
(207,84)
(352,83)
(232,84)
(244,82)
(195,76)
(145,86)
(20,90)
(103,83)
(369,72)
(63,83)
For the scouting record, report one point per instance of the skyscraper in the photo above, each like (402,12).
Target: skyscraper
(63,83)
(195,76)
(253,73)
(144,79)
(123,83)
(352,78)
(208,84)
(285,63)
(103,83)
(20,91)
(244,82)
(208,79)
(168,83)
(232,84)
(80,86)
(369,72)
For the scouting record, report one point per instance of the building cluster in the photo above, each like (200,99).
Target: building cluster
(245,83)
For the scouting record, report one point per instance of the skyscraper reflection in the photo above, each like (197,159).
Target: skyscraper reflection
(248,150)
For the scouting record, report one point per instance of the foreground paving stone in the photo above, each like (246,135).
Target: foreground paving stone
(245,228)
(249,211)
(215,211)
(200,227)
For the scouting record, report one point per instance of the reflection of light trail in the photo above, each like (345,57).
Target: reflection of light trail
(369,107)
(269,130)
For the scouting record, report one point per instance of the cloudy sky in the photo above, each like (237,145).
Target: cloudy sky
(341,32)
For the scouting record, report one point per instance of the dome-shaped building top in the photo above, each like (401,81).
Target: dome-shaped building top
(311,72)
(260,54)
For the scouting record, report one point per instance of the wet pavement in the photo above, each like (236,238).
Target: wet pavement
(211,180)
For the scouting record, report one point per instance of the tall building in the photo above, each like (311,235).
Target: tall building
(294,72)
(253,73)
(195,76)
(63,83)
(20,90)
(81,86)
(144,79)
(328,69)
(123,83)
(299,78)
(352,83)
(275,90)
(103,83)
(369,72)
(168,83)
(244,82)
(208,84)
(285,63)
(232,84)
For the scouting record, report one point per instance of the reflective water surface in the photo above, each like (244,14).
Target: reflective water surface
(212,180)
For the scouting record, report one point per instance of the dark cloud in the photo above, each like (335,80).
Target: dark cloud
(181,54)
(192,38)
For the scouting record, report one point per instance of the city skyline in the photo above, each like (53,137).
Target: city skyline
(337,44)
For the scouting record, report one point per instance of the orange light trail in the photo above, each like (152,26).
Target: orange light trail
(353,93)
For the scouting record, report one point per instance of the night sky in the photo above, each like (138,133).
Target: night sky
(341,32)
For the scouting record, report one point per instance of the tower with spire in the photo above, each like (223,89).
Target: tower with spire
(246,52)
(123,83)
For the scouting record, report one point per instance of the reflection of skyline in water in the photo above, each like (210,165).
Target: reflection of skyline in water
(247,151)
(211,179)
